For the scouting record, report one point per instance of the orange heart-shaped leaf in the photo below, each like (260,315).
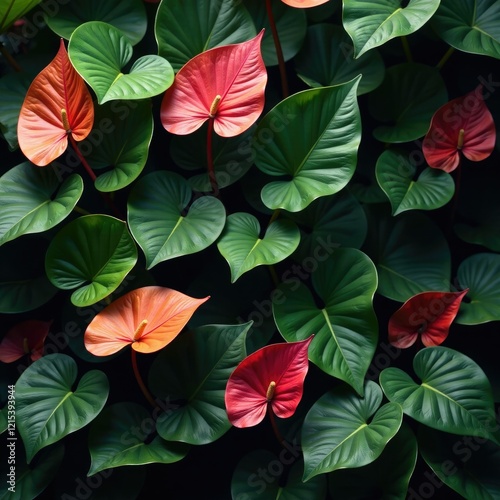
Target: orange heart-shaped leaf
(224,83)
(57,104)
(25,338)
(147,318)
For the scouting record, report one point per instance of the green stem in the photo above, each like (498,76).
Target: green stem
(80,210)
(447,55)
(406,49)
(138,377)
(210,159)
(279,51)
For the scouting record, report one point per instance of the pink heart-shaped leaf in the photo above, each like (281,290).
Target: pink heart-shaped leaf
(303,4)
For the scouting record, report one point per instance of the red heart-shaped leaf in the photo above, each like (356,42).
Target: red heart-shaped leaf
(271,376)
(147,318)
(464,124)
(428,314)
(224,83)
(24,338)
(302,4)
(57,104)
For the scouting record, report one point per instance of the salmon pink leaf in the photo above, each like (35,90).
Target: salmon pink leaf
(224,83)
(56,105)
(25,338)
(271,376)
(147,318)
(464,124)
(428,314)
(303,4)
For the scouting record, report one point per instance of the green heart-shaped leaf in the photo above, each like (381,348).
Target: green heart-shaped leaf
(454,395)
(193,371)
(469,25)
(129,16)
(408,97)
(395,174)
(374,23)
(92,253)
(345,328)
(242,247)
(342,430)
(312,137)
(186,29)
(117,437)
(49,406)
(12,10)
(32,200)
(158,223)
(99,51)
(326,58)
(480,273)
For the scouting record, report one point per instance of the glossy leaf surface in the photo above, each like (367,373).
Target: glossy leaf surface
(12,10)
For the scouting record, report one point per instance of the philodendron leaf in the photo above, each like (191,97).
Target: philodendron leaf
(374,23)
(93,253)
(99,51)
(49,405)
(345,329)
(468,465)
(326,58)
(194,371)
(386,478)
(481,274)
(312,137)
(454,395)
(185,29)
(32,200)
(158,222)
(12,10)
(469,25)
(243,248)
(342,430)
(396,176)
(114,441)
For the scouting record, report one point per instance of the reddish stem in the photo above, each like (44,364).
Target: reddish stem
(138,377)
(210,158)
(272,418)
(279,51)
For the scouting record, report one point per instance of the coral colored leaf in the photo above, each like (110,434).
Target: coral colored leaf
(24,338)
(428,314)
(248,390)
(303,4)
(236,73)
(463,124)
(148,318)
(42,132)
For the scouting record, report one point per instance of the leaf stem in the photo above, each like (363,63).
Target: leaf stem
(458,177)
(5,53)
(210,158)
(406,49)
(279,51)
(81,210)
(138,377)
(446,56)
(272,418)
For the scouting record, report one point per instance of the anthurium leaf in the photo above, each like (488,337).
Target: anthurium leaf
(118,142)
(224,84)
(342,430)
(301,4)
(186,28)
(275,487)
(49,405)
(469,25)
(99,51)
(454,395)
(93,254)
(24,338)
(57,105)
(468,465)
(410,252)
(396,176)
(386,478)
(327,58)
(159,223)
(231,157)
(291,25)
(243,248)
(113,441)
(200,384)
(481,274)
(345,329)
(328,223)
(12,10)
(406,101)
(374,23)
(32,200)
(129,16)
(271,377)
(312,137)
(428,314)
